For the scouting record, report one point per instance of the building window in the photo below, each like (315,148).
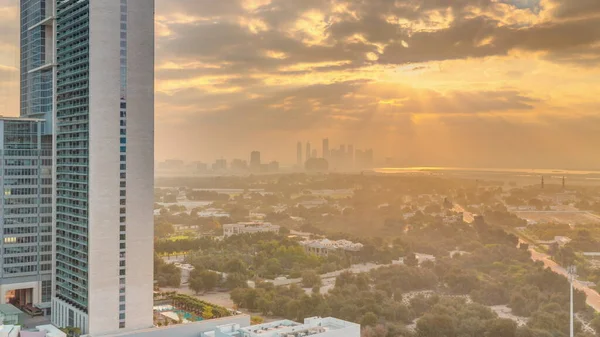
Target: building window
(46,291)
(71,318)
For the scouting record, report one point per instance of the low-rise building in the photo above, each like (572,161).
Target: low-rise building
(249,228)
(308,204)
(325,246)
(315,326)
(185,228)
(239,326)
(454,218)
(213,213)
(192,329)
(561,241)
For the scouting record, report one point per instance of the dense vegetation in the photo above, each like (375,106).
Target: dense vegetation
(477,265)
(269,255)
(166,275)
(496,274)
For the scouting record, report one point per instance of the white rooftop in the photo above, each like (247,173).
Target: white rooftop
(315,326)
(332,244)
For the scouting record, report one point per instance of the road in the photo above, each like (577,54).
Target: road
(593,298)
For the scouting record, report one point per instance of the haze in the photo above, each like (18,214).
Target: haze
(510,83)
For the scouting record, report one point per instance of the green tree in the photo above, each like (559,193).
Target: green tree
(254,320)
(210,279)
(163,229)
(71,331)
(235,265)
(501,327)
(203,280)
(207,313)
(311,279)
(236,280)
(369,319)
(166,274)
(411,260)
(436,325)
(195,283)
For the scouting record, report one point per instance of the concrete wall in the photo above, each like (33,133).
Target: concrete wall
(140,164)
(104,144)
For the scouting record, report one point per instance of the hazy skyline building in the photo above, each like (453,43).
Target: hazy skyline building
(350,156)
(255,160)
(220,165)
(326,148)
(102,54)
(239,165)
(273,166)
(308,152)
(299,155)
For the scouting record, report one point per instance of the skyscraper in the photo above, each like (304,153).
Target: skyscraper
(38,62)
(26,177)
(25,213)
(326,148)
(350,157)
(299,155)
(255,160)
(308,153)
(104,135)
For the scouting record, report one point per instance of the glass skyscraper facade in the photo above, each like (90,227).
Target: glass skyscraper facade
(72,154)
(26,212)
(26,163)
(37,64)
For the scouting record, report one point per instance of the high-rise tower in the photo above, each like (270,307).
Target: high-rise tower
(255,160)
(308,153)
(38,61)
(25,213)
(350,157)
(104,136)
(26,238)
(326,148)
(299,155)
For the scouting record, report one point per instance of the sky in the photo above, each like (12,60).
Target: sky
(468,83)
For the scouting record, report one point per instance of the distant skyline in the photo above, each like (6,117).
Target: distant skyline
(481,83)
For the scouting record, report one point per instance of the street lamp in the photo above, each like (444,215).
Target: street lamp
(572,270)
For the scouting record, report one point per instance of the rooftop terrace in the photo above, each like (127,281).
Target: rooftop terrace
(315,326)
